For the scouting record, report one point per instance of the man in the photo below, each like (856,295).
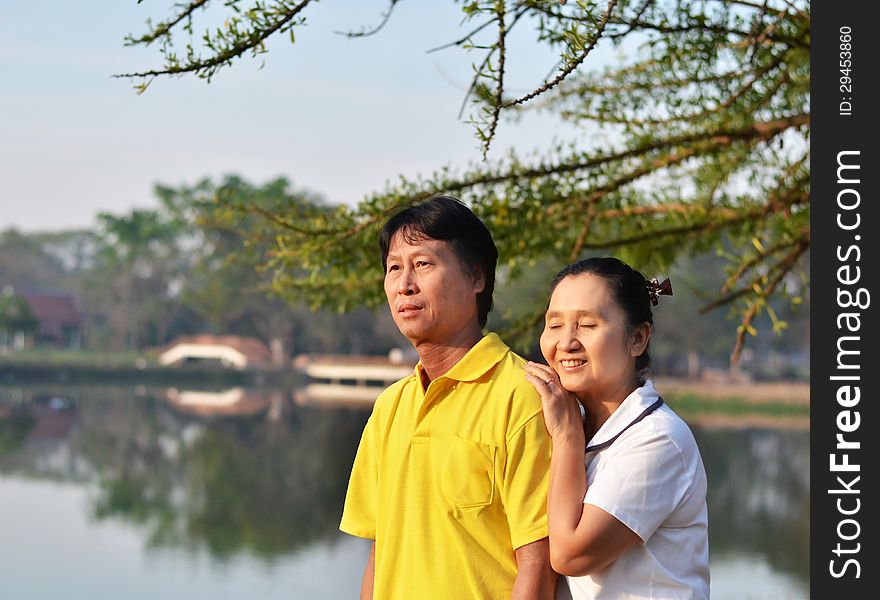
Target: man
(450,479)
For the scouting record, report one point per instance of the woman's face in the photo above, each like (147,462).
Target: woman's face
(585,338)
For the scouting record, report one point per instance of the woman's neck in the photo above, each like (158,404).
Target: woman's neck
(602,404)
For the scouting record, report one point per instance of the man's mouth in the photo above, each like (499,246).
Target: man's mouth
(408,309)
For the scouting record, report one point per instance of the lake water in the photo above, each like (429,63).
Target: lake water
(111,492)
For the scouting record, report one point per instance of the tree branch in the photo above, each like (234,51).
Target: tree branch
(747,266)
(786,266)
(795,197)
(499,89)
(254,40)
(599,193)
(694,117)
(754,283)
(762,130)
(660,209)
(163,29)
(386,16)
(572,66)
(485,62)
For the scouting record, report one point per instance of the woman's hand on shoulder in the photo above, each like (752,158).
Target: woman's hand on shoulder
(562,409)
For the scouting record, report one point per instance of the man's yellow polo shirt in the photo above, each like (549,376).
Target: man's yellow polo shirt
(449,481)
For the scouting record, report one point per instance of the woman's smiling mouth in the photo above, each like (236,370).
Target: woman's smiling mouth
(571,363)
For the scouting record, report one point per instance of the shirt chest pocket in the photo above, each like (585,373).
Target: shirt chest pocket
(467,477)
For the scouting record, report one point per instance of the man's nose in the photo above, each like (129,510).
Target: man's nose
(406,283)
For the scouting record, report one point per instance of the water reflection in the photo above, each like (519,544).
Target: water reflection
(261,475)
(759,496)
(249,475)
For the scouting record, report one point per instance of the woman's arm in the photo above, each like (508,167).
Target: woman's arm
(583,537)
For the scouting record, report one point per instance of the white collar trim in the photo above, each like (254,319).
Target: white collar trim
(629,410)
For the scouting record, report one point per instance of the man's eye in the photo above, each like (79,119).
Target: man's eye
(421,263)
(589,325)
(393,268)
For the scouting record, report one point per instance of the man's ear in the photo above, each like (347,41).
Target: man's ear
(640,338)
(479,279)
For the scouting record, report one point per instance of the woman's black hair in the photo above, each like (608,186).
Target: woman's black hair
(628,288)
(448,219)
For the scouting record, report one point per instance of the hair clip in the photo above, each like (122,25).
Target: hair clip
(657,289)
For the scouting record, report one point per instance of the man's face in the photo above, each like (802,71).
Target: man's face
(432,296)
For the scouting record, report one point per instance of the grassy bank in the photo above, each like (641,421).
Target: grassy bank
(82,358)
(765,404)
(83,368)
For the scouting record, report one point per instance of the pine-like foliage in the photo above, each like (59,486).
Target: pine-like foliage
(710,123)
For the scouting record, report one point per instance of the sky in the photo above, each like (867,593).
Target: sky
(337,116)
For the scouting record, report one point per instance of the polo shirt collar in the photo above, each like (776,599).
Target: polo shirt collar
(484,355)
(629,410)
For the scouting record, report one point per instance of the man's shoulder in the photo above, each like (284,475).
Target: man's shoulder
(521,396)
(510,371)
(393,391)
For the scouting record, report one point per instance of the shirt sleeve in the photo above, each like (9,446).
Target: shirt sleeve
(526,479)
(361,500)
(642,483)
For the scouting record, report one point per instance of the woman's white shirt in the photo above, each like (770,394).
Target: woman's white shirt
(651,478)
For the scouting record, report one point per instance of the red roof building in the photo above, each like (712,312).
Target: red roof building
(60,321)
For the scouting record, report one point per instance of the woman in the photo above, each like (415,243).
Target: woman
(628,520)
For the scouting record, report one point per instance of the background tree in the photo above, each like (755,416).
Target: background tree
(145,277)
(230,285)
(26,263)
(708,121)
(225,286)
(136,278)
(16,318)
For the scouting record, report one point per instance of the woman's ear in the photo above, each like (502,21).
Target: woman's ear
(640,338)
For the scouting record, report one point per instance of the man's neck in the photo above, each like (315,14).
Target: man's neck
(437,359)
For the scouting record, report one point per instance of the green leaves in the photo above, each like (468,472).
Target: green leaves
(241,32)
(708,115)
(15,315)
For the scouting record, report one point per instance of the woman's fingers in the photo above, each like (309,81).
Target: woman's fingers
(539,383)
(543,372)
(545,381)
(533,366)
(560,412)
(546,388)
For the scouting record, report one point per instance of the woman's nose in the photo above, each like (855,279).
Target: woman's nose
(568,341)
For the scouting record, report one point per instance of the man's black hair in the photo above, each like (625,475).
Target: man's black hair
(447,219)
